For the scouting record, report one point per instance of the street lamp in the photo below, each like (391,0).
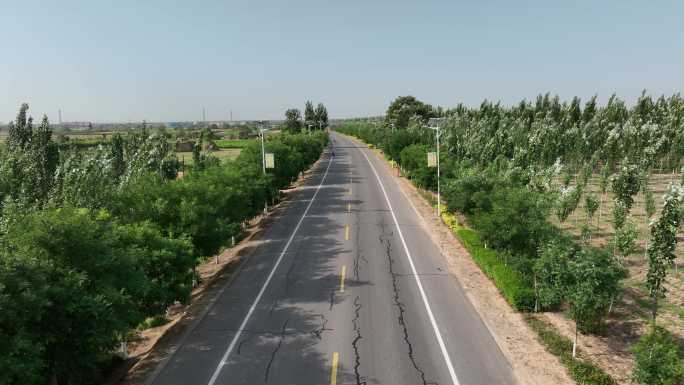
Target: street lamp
(262,131)
(434,123)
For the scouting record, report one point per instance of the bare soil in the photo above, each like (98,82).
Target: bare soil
(611,349)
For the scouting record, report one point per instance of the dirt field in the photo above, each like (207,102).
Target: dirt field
(629,319)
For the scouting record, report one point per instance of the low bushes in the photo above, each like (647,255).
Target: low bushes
(516,289)
(658,359)
(583,372)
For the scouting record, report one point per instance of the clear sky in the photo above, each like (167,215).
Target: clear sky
(164,60)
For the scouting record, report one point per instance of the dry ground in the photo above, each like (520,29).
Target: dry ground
(611,349)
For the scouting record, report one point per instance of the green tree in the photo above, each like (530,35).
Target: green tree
(293,121)
(21,131)
(309,114)
(516,221)
(117,155)
(626,184)
(403,108)
(625,238)
(88,289)
(657,359)
(321,115)
(595,284)
(552,277)
(662,246)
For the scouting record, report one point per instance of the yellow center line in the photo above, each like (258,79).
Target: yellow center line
(349,192)
(333,374)
(346,232)
(344,271)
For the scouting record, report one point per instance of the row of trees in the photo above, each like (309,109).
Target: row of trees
(314,119)
(509,169)
(94,241)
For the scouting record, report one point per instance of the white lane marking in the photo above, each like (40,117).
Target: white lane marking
(435,328)
(224,359)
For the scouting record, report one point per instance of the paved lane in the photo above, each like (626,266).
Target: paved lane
(340,295)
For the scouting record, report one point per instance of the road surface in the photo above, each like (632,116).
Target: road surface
(347,289)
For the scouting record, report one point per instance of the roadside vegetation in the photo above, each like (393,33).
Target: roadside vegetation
(96,241)
(570,209)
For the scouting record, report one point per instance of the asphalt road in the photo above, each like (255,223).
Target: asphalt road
(348,289)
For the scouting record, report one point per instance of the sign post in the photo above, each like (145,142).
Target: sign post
(269,160)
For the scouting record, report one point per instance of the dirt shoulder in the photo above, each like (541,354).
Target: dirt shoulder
(150,347)
(531,363)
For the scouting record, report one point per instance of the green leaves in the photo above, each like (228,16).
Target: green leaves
(658,359)
(663,243)
(626,184)
(293,121)
(118,244)
(595,283)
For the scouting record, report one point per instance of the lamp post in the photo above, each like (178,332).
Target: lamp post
(434,124)
(262,131)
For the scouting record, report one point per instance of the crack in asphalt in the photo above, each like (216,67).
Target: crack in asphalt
(275,351)
(274,305)
(332,299)
(321,328)
(289,272)
(244,340)
(355,343)
(384,239)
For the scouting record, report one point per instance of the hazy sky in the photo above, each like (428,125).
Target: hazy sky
(165,60)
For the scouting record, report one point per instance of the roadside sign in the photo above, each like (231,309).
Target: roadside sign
(270,161)
(432,159)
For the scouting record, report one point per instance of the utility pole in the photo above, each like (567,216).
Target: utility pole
(204,115)
(59,112)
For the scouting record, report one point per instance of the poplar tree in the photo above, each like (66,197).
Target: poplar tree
(663,244)
(309,114)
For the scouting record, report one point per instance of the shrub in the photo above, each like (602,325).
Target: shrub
(583,372)
(517,290)
(414,162)
(468,192)
(658,359)
(552,272)
(516,221)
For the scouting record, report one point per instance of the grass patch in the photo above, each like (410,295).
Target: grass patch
(223,154)
(517,290)
(584,372)
(234,143)
(153,322)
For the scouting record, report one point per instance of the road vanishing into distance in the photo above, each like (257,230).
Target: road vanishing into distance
(347,288)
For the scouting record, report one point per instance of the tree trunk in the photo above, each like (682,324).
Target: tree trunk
(610,307)
(536,295)
(598,221)
(574,343)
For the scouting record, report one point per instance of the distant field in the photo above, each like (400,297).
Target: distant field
(235,143)
(228,153)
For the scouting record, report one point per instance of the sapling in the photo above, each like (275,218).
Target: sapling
(663,244)
(591,204)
